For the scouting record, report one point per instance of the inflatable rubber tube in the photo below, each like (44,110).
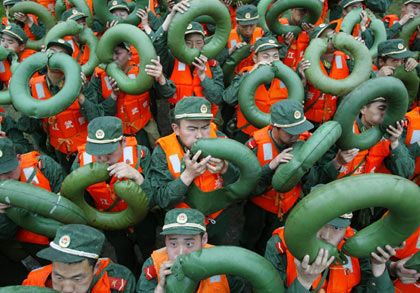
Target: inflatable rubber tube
(264,75)
(41,12)
(60,7)
(395,93)
(75,184)
(242,157)
(176,33)
(288,175)
(314,7)
(262,10)
(338,87)
(40,201)
(348,194)
(102,12)
(135,36)
(232,61)
(411,81)
(26,289)
(199,265)
(85,9)
(409,29)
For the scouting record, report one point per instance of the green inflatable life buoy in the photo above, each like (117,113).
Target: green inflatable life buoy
(33,222)
(232,61)
(60,7)
(395,93)
(75,184)
(26,289)
(338,87)
(376,26)
(85,9)
(414,262)
(411,81)
(135,36)
(102,12)
(176,40)
(314,7)
(43,14)
(199,265)
(348,194)
(409,29)
(262,10)
(264,75)
(242,157)
(40,201)
(86,35)
(19,91)
(288,175)
(5,98)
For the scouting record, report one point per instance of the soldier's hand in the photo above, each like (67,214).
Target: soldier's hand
(3,208)
(22,17)
(165,269)
(156,71)
(227,3)
(308,27)
(2,134)
(115,89)
(216,165)
(201,64)
(111,23)
(345,157)
(239,4)
(364,20)
(283,157)
(406,18)
(236,47)
(81,97)
(144,16)
(124,170)
(193,168)
(170,4)
(181,7)
(386,71)
(395,133)
(301,67)
(379,258)
(406,276)
(288,38)
(306,273)
(411,64)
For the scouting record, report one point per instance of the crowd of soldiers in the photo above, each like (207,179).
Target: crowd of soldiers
(105,124)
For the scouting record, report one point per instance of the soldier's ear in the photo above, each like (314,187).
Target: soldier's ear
(204,239)
(97,267)
(175,128)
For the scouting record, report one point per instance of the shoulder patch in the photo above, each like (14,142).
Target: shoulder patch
(117,283)
(212,63)
(252,144)
(150,272)
(281,247)
(1,119)
(142,154)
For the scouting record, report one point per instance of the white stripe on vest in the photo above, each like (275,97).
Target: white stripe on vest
(87,158)
(28,172)
(128,155)
(338,62)
(175,162)
(268,151)
(40,90)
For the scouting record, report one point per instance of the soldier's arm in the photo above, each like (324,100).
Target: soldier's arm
(399,161)
(9,126)
(53,171)
(37,29)
(90,108)
(160,42)
(108,104)
(213,87)
(165,91)
(148,278)
(369,283)
(392,31)
(230,94)
(121,279)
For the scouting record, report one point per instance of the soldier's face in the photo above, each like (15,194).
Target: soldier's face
(120,13)
(75,277)
(12,44)
(413,8)
(183,244)
(331,234)
(351,7)
(246,30)
(267,56)
(374,113)
(194,41)
(12,175)
(283,137)
(111,158)
(122,57)
(298,15)
(190,131)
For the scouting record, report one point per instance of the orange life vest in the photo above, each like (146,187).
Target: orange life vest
(80,56)
(296,50)
(29,163)
(102,192)
(323,13)
(235,38)
(374,161)
(26,28)
(187,85)
(174,155)
(272,201)
(264,99)
(341,279)
(133,110)
(356,30)
(325,104)
(413,135)
(49,4)
(232,12)
(5,72)
(68,129)
(39,278)
(215,284)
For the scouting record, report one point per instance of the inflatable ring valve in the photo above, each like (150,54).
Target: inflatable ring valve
(101,11)
(75,184)
(43,14)
(338,87)
(29,106)
(242,157)
(314,7)
(188,270)
(176,41)
(376,25)
(232,61)
(288,175)
(135,36)
(264,75)
(395,93)
(411,81)
(40,201)
(348,194)
(33,222)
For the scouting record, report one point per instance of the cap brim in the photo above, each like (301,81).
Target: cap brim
(100,149)
(182,231)
(405,54)
(299,129)
(9,166)
(246,22)
(58,256)
(58,44)
(339,222)
(119,7)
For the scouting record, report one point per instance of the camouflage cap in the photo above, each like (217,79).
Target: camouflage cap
(266,43)
(288,114)
(318,30)
(16,32)
(8,161)
(74,243)
(61,43)
(104,135)
(118,4)
(394,48)
(346,3)
(195,28)
(193,108)
(405,2)
(73,14)
(183,222)
(247,14)
(10,2)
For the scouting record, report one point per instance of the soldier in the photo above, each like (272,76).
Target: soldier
(300,276)
(171,182)
(184,232)
(76,266)
(9,128)
(126,159)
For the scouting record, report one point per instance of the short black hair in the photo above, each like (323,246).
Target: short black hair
(91,261)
